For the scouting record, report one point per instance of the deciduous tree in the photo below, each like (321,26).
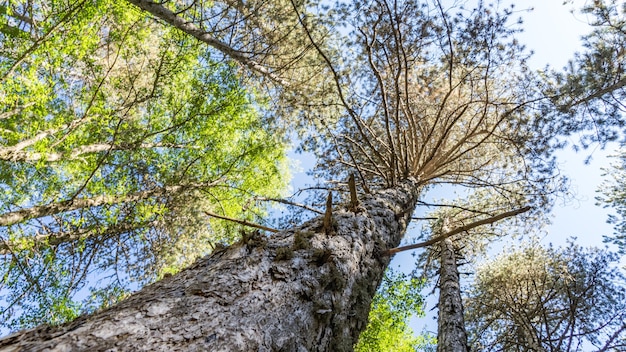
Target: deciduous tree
(398,299)
(116,134)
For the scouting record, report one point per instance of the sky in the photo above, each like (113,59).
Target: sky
(554,33)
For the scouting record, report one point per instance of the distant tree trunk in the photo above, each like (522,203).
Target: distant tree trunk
(302,289)
(39,211)
(451,334)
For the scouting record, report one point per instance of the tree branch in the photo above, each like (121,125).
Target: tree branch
(10,154)
(173,19)
(459,230)
(241,222)
(54,239)
(39,211)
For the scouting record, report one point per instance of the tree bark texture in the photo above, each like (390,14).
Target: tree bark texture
(302,289)
(451,334)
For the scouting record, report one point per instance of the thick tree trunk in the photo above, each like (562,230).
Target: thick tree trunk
(451,335)
(303,289)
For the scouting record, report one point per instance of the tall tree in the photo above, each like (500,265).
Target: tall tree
(612,195)
(116,134)
(420,96)
(546,299)
(457,234)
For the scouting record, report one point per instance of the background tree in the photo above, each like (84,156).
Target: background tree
(116,134)
(612,195)
(272,48)
(397,300)
(589,93)
(459,233)
(546,299)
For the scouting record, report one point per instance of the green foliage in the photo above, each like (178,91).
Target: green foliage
(536,298)
(116,132)
(613,195)
(590,91)
(397,300)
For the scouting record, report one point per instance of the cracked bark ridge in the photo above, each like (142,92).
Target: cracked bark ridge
(451,334)
(297,290)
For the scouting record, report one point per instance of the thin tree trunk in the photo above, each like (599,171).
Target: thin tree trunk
(13,155)
(39,211)
(451,334)
(244,58)
(303,289)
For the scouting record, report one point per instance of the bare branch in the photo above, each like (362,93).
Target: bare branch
(240,222)
(459,230)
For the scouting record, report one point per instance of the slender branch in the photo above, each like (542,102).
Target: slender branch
(459,230)
(597,94)
(328,215)
(15,155)
(16,110)
(354,201)
(241,222)
(452,206)
(53,239)
(284,201)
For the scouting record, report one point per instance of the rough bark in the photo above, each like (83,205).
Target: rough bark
(298,290)
(451,335)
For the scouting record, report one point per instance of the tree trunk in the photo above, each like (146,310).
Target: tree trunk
(451,335)
(39,211)
(302,289)
(239,55)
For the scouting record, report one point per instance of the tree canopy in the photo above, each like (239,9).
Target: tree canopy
(116,134)
(589,93)
(547,299)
